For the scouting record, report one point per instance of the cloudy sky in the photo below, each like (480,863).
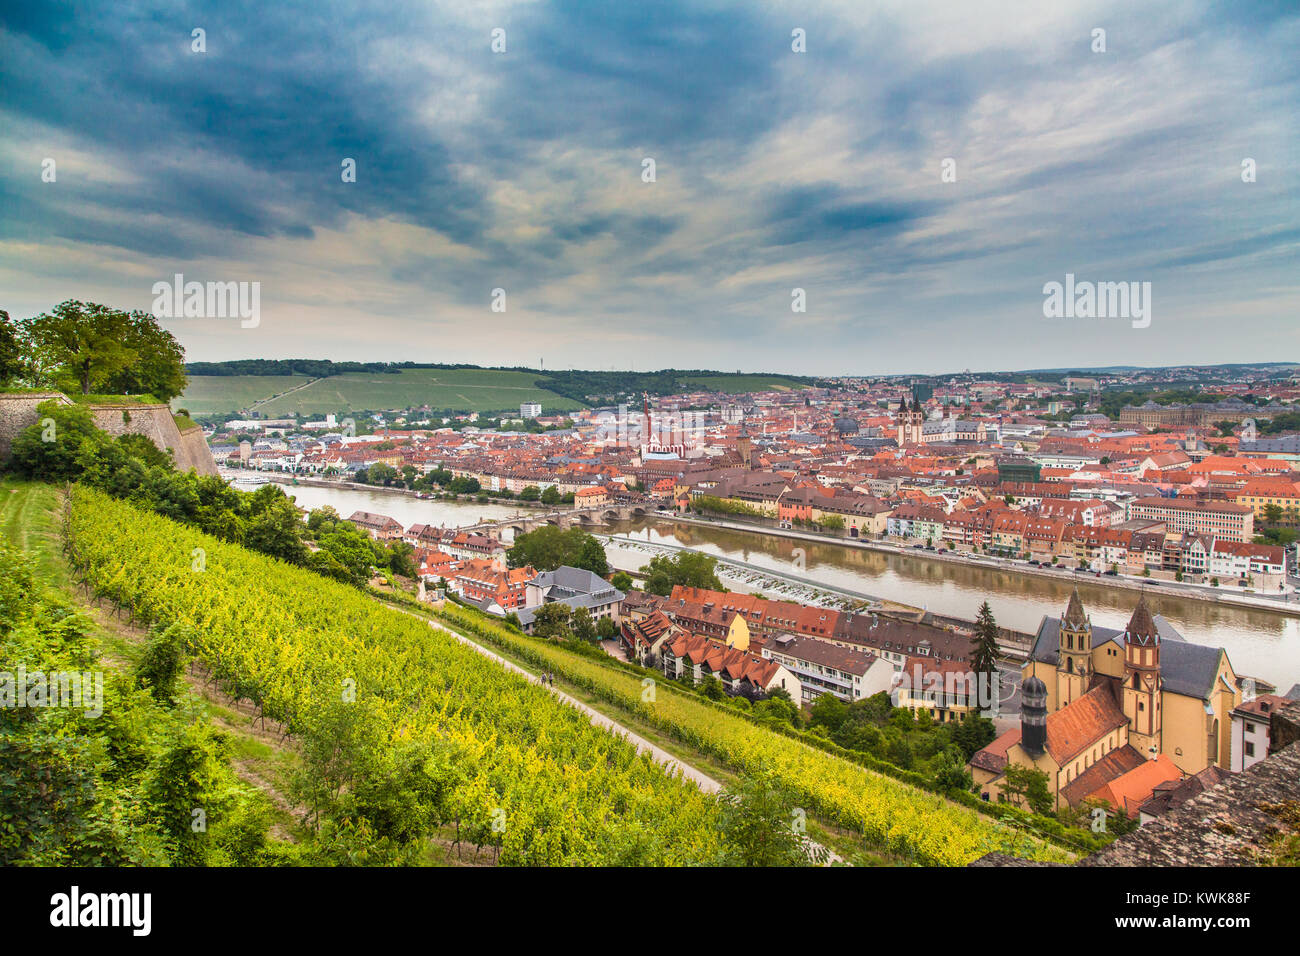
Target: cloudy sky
(774,170)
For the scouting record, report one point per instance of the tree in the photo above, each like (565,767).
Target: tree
(59,446)
(381,474)
(582,625)
(829,711)
(1028,785)
(712,688)
(83,340)
(163,660)
(551,496)
(531,493)
(278,532)
(551,621)
(158,368)
(762,826)
(11,354)
(622,581)
(984,654)
(687,568)
(951,774)
(548,548)
(973,734)
(401,559)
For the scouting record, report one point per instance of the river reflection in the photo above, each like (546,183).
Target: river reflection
(1258,642)
(407,509)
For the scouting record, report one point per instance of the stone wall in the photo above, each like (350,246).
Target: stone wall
(18,411)
(155,422)
(188,449)
(1284,727)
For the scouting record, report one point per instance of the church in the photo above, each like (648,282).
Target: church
(911,424)
(1107,712)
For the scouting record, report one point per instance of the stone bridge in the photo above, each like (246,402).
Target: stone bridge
(581,517)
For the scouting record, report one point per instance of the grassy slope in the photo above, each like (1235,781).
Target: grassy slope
(212,394)
(471,390)
(29,517)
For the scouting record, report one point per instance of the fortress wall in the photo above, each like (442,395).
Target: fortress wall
(155,422)
(18,411)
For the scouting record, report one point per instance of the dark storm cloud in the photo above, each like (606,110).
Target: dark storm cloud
(522,170)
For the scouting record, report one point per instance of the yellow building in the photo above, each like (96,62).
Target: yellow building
(1097,703)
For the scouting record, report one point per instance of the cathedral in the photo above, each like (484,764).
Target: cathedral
(911,423)
(1107,711)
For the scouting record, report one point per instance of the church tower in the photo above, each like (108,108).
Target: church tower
(1074,655)
(910,420)
(1142,680)
(745,446)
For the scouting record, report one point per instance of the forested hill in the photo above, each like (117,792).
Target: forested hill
(581,386)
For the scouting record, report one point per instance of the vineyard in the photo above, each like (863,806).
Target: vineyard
(892,815)
(538,781)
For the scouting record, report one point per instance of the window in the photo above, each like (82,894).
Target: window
(1250,748)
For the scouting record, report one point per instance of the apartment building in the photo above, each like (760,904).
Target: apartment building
(823,668)
(1226,522)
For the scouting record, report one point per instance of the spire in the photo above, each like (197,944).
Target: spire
(1075,619)
(1141,626)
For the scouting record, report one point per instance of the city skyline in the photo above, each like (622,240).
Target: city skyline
(1116,159)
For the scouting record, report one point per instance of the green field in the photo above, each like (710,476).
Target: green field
(213,394)
(467,390)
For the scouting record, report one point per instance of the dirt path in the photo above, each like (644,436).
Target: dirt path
(702,780)
(658,754)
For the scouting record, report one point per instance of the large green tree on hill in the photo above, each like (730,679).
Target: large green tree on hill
(11,355)
(101,349)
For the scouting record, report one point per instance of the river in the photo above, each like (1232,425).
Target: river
(407,509)
(1259,643)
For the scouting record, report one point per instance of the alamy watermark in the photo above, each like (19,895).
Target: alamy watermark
(73,689)
(678,431)
(208,300)
(1098,300)
(947,689)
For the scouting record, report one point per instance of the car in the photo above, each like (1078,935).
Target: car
(1112,573)
(1034,563)
(918,547)
(929,547)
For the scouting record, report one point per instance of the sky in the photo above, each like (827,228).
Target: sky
(525,170)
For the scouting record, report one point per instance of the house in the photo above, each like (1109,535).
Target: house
(947,690)
(695,656)
(1131,789)
(1174,793)
(1250,728)
(643,638)
(574,587)
(593,496)
(494,589)
(823,668)
(377,526)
